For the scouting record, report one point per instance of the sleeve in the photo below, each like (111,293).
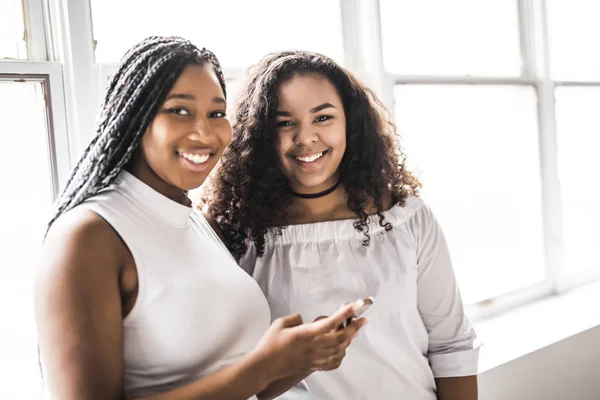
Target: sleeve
(451,351)
(248,260)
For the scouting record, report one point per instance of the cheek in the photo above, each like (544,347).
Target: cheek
(158,135)
(282,147)
(336,139)
(224,134)
(148,145)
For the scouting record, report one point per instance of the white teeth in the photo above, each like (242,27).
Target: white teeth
(310,158)
(195,158)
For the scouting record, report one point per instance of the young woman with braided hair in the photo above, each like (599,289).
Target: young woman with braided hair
(136,296)
(316,202)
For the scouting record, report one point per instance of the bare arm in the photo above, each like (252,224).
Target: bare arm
(345,336)
(78,302)
(281,386)
(237,381)
(78,308)
(267,376)
(457,388)
(79,318)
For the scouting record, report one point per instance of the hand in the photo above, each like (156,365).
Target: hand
(290,347)
(350,330)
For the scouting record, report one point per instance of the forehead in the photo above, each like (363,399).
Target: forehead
(307,91)
(198,79)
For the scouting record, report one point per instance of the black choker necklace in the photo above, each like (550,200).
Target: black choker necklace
(316,195)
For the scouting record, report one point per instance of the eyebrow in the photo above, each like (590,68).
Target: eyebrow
(183,96)
(321,107)
(312,110)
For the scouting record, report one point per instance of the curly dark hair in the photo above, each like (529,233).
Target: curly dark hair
(249,194)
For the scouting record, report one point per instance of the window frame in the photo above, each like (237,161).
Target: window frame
(534,45)
(50,76)
(84,81)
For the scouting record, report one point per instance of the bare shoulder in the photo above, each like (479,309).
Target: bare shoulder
(82,237)
(78,307)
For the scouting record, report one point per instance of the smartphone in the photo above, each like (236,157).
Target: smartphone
(360,306)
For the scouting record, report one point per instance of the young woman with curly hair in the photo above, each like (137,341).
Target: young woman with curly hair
(316,203)
(136,296)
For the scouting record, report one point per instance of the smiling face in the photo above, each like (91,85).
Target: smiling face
(189,132)
(311,132)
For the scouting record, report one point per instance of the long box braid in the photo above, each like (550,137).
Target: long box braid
(139,86)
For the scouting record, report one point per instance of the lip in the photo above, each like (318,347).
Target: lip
(193,167)
(308,166)
(308,154)
(197,150)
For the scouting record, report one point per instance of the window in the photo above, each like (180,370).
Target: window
(504,148)
(239,32)
(573,31)
(506,160)
(459,37)
(578,124)
(12,30)
(24,164)
(476,150)
(469,121)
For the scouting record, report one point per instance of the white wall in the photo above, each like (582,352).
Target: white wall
(567,370)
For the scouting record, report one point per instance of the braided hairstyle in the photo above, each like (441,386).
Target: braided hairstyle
(249,194)
(139,86)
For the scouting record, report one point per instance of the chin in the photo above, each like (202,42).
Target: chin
(311,183)
(188,183)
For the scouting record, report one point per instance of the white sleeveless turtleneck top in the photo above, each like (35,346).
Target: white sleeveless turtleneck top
(196,310)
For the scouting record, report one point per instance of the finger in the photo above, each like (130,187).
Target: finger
(320,317)
(289,321)
(338,337)
(355,326)
(329,363)
(332,322)
(325,353)
(334,363)
(321,362)
(331,339)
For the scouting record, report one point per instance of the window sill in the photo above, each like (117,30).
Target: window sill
(531,327)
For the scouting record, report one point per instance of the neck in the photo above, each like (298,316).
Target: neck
(330,207)
(317,195)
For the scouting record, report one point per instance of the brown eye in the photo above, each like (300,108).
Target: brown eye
(179,111)
(282,124)
(218,114)
(323,118)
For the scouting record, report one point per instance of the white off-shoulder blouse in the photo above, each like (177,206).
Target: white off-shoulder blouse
(417,329)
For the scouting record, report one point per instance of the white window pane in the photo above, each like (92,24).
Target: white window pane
(573,32)
(578,124)
(239,32)
(459,37)
(234,87)
(475,148)
(24,169)
(12,30)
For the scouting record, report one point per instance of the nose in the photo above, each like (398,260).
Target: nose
(201,128)
(305,136)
